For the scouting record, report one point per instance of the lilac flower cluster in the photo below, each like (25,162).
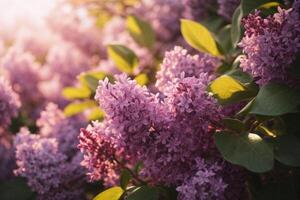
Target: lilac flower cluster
(101,157)
(178,60)
(19,68)
(50,161)
(171,135)
(271,45)
(9,103)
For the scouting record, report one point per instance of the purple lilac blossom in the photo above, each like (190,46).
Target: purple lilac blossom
(9,103)
(19,68)
(271,45)
(227,8)
(66,62)
(53,123)
(101,156)
(50,160)
(178,61)
(167,135)
(206,183)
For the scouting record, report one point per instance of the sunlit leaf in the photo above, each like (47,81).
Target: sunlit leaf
(269,5)
(76,93)
(123,57)
(141,31)
(199,37)
(113,193)
(78,107)
(142,79)
(224,87)
(95,114)
(91,79)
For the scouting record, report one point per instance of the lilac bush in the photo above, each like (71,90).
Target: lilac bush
(162,99)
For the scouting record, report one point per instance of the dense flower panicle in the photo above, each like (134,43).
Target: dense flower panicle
(178,61)
(271,45)
(23,73)
(131,111)
(188,134)
(76,27)
(100,154)
(65,62)
(39,161)
(47,170)
(9,103)
(205,184)
(53,123)
(227,8)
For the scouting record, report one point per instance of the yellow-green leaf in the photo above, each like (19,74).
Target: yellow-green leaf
(76,93)
(123,57)
(225,86)
(78,107)
(90,79)
(269,5)
(199,37)
(141,31)
(142,79)
(113,193)
(95,114)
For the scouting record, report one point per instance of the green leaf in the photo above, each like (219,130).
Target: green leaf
(144,193)
(248,150)
(236,29)
(76,93)
(125,179)
(269,5)
(199,37)
(245,110)
(231,90)
(274,99)
(91,79)
(234,124)
(123,57)
(113,193)
(78,107)
(142,79)
(95,114)
(224,38)
(287,150)
(250,5)
(15,189)
(141,31)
